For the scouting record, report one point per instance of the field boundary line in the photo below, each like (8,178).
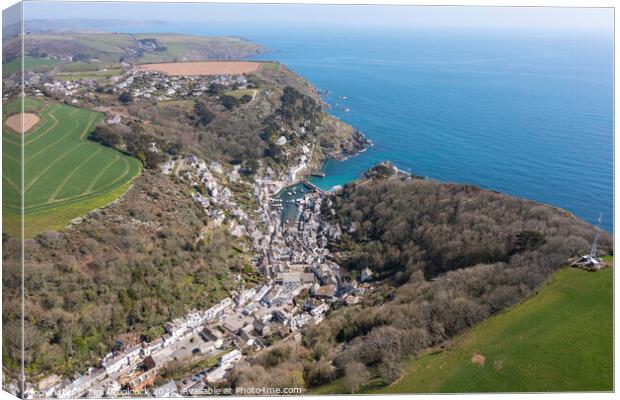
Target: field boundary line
(104,189)
(91,119)
(46,131)
(89,189)
(50,165)
(13,185)
(68,177)
(10,158)
(77,125)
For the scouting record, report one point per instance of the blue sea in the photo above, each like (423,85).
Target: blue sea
(526,113)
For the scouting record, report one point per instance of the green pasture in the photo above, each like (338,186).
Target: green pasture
(30,64)
(65,174)
(239,93)
(98,75)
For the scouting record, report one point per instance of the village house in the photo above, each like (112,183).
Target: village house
(262,292)
(216,375)
(320,310)
(214,335)
(246,338)
(114,120)
(113,364)
(366,275)
(176,328)
(230,358)
(280,316)
(261,328)
(143,380)
(133,353)
(298,321)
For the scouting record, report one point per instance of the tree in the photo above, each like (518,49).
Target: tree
(528,240)
(203,116)
(125,98)
(106,136)
(229,102)
(355,375)
(318,373)
(215,89)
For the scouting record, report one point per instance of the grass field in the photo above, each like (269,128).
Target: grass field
(559,340)
(65,174)
(30,64)
(98,75)
(271,66)
(239,93)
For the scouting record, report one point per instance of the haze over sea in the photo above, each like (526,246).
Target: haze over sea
(522,112)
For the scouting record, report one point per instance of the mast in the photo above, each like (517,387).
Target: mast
(594,248)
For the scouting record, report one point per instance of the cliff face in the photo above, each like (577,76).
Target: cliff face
(301,117)
(341,140)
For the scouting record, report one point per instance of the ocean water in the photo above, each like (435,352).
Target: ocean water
(525,113)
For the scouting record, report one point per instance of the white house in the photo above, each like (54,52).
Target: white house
(366,274)
(115,363)
(281,141)
(230,358)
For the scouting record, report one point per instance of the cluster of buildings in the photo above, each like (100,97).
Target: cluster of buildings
(210,192)
(140,83)
(151,84)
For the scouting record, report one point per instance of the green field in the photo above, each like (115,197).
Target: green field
(97,75)
(271,66)
(65,174)
(239,93)
(559,340)
(30,64)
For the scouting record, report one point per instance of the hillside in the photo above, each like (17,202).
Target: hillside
(177,240)
(432,260)
(121,272)
(442,259)
(559,340)
(238,126)
(97,50)
(361,281)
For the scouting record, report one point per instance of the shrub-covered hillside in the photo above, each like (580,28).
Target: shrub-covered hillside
(119,274)
(451,255)
(400,227)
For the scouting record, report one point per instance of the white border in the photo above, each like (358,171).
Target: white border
(502,3)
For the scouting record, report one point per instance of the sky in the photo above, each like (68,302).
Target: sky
(575,19)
